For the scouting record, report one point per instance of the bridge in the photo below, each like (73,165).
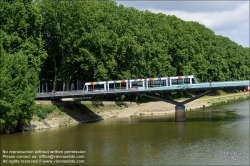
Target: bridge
(180,114)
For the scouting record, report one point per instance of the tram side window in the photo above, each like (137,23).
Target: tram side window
(186,81)
(174,81)
(137,84)
(133,84)
(156,83)
(111,86)
(150,83)
(120,86)
(90,87)
(163,83)
(140,84)
(180,81)
(177,81)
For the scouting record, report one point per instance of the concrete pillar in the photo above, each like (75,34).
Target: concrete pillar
(180,114)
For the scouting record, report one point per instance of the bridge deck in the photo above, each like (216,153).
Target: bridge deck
(240,85)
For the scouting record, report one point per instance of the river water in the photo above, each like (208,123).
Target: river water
(217,135)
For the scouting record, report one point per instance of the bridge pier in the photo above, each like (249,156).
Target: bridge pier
(180,114)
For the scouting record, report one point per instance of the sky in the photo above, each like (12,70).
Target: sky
(226,18)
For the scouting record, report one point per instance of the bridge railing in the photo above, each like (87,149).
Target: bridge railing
(203,85)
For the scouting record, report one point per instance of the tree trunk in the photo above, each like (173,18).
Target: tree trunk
(67,83)
(55,76)
(20,126)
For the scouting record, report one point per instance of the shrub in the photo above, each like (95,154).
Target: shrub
(42,111)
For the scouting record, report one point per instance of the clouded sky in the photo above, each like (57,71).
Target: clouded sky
(226,18)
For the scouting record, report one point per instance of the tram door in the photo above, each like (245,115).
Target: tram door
(168,81)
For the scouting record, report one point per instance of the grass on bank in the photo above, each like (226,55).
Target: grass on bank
(97,108)
(228,100)
(42,111)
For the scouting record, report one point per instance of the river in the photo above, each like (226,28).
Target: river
(217,135)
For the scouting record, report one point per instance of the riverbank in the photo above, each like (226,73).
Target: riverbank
(160,107)
(72,113)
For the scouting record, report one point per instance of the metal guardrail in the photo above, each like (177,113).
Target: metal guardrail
(207,85)
(183,87)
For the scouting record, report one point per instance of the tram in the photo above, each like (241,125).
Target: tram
(139,83)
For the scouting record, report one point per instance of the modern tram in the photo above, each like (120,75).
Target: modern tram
(139,83)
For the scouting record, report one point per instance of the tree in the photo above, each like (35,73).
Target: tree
(18,85)
(22,55)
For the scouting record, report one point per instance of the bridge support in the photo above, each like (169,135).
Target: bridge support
(180,114)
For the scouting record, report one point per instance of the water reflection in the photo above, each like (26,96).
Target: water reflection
(214,114)
(205,139)
(181,129)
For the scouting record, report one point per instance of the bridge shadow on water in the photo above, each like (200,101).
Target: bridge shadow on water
(78,111)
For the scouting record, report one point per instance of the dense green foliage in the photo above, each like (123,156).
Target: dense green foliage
(22,54)
(42,111)
(18,90)
(98,40)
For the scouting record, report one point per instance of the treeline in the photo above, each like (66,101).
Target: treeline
(96,40)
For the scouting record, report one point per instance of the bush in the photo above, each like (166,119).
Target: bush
(61,108)
(120,98)
(43,110)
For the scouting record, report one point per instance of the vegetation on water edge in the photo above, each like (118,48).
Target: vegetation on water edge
(221,102)
(42,111)
(99,40)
